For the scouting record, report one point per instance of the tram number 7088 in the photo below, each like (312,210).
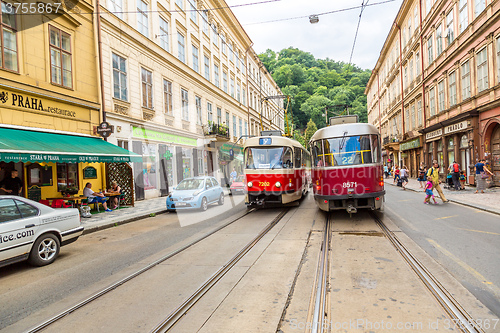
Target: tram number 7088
(349,184)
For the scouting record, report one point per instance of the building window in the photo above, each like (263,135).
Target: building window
(465,80)
(216,76)
(419,113)
(219,116)
(417,62)
(116,7)
(244,99)
(482,70)
(463,15)
(453,88)
(407,121)
(428,6)
(142,17)
(167,95)
(204,16)
(223,44)
(231,54)
(8,41)
(449,28)
(196,62)
(413,123)
(185,104)
(232,87)
(194,16)
(147,88)
(164,37)
(119,77)
(224,81)
(227,119)
(411,70)
(206,61)
(480,6)
(241,127)
(441,96)
(415,15)
(430,53)
(67,175)
(405,81)
(60,58)
(198,109)
(209,112)
(432,102)
(215,35)
(439,40)
(237,61)
(181,54)
(238,93)
(246,127)
(180,3)
(234,125)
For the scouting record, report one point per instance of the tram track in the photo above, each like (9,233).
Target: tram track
(457,313)
(168,322)
(130,277)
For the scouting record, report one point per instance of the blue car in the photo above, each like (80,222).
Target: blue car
(195,193)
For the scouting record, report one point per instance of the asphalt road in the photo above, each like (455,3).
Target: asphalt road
(98,259)
(464,240)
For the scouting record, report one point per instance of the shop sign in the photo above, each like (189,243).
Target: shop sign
(147,134)
(434,134)
(404,155)
(415,143)
(226,148)
(61,158)
(455,127)
(89,173)
(104,129)
(29,102)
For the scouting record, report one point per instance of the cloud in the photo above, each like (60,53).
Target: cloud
(332,37)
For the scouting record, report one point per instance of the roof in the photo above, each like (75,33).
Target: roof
(339,130)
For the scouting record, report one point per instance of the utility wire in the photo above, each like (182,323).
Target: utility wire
(363,5)
(325,13)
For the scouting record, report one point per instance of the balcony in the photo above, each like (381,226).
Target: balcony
(218,131)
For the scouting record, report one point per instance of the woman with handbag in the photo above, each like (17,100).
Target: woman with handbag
(482,173)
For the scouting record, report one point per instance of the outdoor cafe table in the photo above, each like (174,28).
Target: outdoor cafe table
(73,199)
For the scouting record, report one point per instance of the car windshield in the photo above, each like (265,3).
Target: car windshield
(190,184)
(240,178)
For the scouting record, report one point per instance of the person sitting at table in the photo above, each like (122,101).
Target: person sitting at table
(115,188)
(95,197)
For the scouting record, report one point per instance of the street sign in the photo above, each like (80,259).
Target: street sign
(104,129)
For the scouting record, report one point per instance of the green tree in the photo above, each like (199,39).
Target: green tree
(314,107)
(268,58)
(309,132)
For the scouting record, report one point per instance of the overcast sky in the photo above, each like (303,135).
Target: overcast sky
(332,37)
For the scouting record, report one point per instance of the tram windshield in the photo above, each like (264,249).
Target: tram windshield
(268,158)
(346,150)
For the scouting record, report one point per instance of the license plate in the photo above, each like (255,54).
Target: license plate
(180,204)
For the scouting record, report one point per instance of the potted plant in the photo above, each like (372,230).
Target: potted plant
(69,190)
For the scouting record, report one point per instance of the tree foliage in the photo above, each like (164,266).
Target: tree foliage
(315,84)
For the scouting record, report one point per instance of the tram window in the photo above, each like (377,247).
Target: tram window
(375,149)
(317,153)
(347,150)
(288,158)
(264,158)
(298,157)
(366,152)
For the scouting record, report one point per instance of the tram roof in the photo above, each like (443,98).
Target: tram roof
(276,141)
(339,130)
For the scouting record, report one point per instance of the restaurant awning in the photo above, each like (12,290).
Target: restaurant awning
(18,145)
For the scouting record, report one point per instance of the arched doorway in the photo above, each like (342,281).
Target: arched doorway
(495,154)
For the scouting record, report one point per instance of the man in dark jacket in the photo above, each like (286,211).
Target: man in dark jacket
(12,185)
(455,175)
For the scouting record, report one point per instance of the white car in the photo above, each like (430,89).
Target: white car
(34,232)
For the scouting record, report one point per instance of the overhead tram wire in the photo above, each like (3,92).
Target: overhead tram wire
(324,13)
(363,6)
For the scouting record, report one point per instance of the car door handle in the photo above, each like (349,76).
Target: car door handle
(29,226)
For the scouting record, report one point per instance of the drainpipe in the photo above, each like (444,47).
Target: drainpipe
(401,76)
(101,70)
(424,113)
(378,95)
(248,86)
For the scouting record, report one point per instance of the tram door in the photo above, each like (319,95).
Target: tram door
(495,155)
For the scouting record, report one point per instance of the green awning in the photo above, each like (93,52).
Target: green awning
(31,146)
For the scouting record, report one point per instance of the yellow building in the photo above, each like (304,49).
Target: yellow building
(50,101)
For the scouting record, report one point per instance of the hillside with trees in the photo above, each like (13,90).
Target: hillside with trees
(315,84)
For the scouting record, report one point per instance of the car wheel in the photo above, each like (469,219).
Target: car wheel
(221,199)
(171,210)
(204,204)
(45,250)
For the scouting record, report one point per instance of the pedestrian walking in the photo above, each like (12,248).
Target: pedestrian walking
(434,174)
(455,175)
(403,173)
(462,180)
(482,173)
(396,174)
(421,175)
(386,171)
(428,192)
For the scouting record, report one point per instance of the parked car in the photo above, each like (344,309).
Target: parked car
(34,232)
(195,193)
(238,186)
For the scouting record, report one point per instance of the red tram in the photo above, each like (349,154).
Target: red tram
(347,168)
(277,170)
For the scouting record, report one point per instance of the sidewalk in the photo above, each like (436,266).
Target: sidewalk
(488,201)
(142,209)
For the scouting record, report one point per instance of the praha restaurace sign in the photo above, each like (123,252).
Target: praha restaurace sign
(27,102)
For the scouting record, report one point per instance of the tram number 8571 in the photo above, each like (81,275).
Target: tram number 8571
(349,184)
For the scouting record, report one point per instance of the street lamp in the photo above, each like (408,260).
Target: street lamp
(313,19)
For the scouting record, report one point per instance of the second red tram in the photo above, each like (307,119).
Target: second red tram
(347,170)
(277,171)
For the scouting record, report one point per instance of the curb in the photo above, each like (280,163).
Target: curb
(489,210)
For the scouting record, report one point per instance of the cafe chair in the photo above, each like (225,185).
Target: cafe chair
(59,203)
(121,200)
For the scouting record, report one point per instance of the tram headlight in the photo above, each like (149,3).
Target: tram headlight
(278,184)
(249,184)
